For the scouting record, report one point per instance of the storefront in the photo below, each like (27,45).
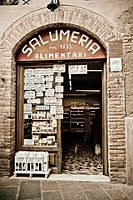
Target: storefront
(64,90)
(59,94)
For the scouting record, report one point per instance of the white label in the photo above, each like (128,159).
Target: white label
(59,79)
(48,85)
(39,94)
(29,80)
(52,110)
(39,71)
(48,71)
(59,88)
(59,109)
(59,116)
(42,107)
(29,86)
(59,102)
(39,79)
(77,69)
(49,92)
(59,68)
(29,71)
(27,107)
(40,87)
(29,94)
(28,142)
(49,78)
(34,101)
(28,115)
(50,100)
(115,64)
(59,95)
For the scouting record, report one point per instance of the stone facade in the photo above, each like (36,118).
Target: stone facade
(119,44)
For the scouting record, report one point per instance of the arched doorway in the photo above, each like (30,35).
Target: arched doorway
(62,69)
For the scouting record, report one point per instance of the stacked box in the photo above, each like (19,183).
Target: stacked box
(38,162)
(20,161)
(45,161)
(31,162)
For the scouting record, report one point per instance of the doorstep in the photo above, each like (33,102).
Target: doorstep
(71,177)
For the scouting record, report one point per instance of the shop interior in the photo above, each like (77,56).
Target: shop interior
(82,121)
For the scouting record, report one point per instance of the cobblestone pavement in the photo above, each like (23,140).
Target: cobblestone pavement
(32,189)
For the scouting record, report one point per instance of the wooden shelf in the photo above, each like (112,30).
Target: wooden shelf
(41,119)
(39,148)
(48,133)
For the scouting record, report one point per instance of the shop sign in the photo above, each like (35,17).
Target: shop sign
(77,69)
(60,44)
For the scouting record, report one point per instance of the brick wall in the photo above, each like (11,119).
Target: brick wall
(7,115)
(116,116)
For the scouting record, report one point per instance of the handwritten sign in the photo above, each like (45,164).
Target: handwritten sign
(77,69)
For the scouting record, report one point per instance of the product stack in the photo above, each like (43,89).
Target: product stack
(31,162)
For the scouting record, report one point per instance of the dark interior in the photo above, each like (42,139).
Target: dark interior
(82,122)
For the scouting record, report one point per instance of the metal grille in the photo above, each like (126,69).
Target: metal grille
(15,2)
(25,2)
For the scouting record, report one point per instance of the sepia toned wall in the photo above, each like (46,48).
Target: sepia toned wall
(111,22)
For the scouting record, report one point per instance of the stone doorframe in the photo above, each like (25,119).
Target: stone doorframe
(27,26)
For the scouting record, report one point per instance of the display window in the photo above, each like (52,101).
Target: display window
(40,108)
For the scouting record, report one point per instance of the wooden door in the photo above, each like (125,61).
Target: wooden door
(104,123)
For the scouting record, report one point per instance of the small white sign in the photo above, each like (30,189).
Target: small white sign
(29,80)
(59,109)
(59,95)
(49,78)
(59,116)
(39,79)
(39,94)
(34,101)
(40,87)
(28,142)
(59,88)
(77,69)
(28,115)
(59,79)
(50,100)
(48,85)
(29,86)
(48,71)
(27,107)
(49,92)
(115,64)
(39,71)
(29,71)
(59,102)
(52,110)
(42,107)
(59,68)
(29,94)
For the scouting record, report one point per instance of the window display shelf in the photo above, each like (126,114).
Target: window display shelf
(41,119)
(49,148)
(47,133)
